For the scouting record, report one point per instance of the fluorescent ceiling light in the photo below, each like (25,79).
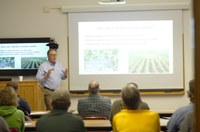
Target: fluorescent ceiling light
(107,2)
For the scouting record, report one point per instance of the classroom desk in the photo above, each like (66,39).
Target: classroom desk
(38,114)
(164,113)
(91,125)
(163,124)
(94,125)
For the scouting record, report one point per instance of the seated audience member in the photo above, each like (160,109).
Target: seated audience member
(94,104)
(117,105)
(173,124)
(59,120)
(187,124)
(3,125)
(22,104)
(132,119)
(9,111)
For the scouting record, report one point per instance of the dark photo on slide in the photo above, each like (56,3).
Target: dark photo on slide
(7,62)
(31,62)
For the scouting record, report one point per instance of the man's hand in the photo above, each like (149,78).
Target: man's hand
(66,72)
(48,73)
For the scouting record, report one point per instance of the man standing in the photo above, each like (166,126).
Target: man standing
(94,104)
(50,74)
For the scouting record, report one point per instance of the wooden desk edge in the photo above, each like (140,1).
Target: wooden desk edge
(142,93)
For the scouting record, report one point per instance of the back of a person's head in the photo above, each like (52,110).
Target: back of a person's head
(132,84)
(93,87)
(191,90)
(61,99)
(131,97)
(13,85)
(8,97)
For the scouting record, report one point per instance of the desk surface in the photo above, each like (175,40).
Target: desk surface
(89,124)
(92,125)
(40,113)
(163,122)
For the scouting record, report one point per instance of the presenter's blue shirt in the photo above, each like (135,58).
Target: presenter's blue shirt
(54,79)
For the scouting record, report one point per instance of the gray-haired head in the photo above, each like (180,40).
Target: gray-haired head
(191,90)
(131,97)
(61,99)
(93,87)
(13,85)
(8,97)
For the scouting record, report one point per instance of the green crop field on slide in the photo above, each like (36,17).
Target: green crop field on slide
(144,62)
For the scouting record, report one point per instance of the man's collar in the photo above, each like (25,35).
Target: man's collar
(51,63)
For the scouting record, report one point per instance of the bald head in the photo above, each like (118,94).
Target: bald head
(93,87)
(132,84)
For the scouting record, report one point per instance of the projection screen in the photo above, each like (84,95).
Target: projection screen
(115,48)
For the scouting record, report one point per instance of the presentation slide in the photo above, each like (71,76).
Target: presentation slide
(115,48)
(22,55)
(126,47)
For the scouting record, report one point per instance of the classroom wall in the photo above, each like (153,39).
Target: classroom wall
(26,18)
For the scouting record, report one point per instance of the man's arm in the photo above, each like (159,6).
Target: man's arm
(65,74)
(115,108)
(78,106)
(187,123)
(42,75)
(172,125)
(24,106)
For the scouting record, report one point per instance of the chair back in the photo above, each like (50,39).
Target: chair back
(14,130)
(95,117)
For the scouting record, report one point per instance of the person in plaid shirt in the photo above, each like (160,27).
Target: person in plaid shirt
(94,104)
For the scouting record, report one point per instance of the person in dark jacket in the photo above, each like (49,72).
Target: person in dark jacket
(59,119)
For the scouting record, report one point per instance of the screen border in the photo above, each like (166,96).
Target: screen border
(21,72)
